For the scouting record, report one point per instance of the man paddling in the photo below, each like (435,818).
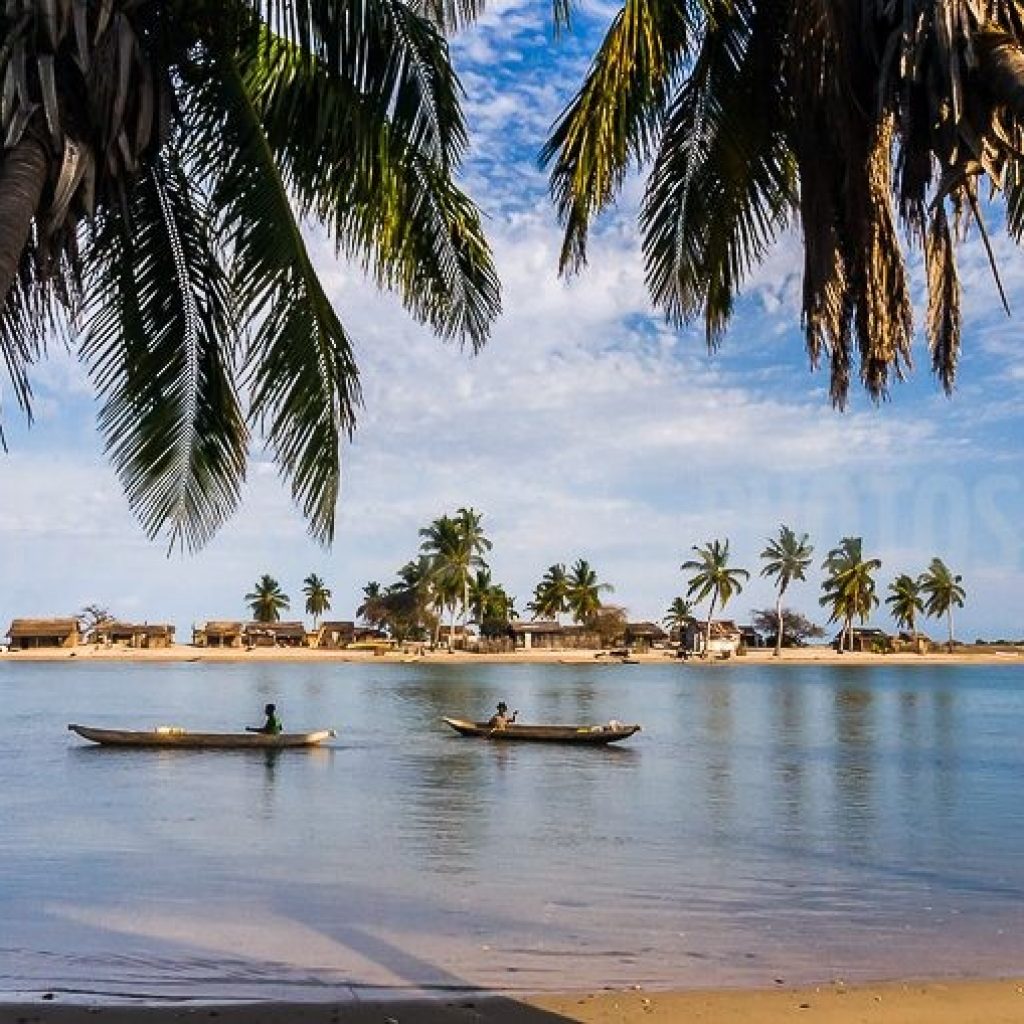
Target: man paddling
(272,726)
(500,720)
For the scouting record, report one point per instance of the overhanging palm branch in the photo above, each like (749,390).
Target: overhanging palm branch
(197,135)
(848,121)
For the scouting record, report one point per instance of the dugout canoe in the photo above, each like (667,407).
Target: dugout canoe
(175,738)
(593,735)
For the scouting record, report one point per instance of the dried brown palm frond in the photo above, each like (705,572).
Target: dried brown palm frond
(868,124)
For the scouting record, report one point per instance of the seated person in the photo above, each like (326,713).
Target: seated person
(501,719)
(272,726)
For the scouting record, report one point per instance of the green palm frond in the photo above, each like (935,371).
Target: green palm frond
(299,359)
(723,182)
(375,171)
(157,341)
(616,117)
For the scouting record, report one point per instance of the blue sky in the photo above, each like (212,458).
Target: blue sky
(587,428)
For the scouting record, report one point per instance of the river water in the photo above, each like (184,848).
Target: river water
(770,824)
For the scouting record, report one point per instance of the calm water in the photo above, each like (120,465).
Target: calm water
(796,823)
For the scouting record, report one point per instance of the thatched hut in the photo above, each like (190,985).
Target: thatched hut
(335,635)
(218,634)
(28,634)
(138,635)
(537,635)
(644,635)
(275,634)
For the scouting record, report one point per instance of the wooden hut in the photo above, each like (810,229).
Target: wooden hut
(218,634)
(28,634)
(139,635)
(537,635)
(725,638)
(275,634)
(335,635)
(644,635)
(866,640)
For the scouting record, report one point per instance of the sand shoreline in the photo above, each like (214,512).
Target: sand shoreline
(991,1001)
(802,656)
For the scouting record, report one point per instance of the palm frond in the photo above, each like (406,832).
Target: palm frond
(616,117)
(377,175)
(158,338)
(300,365)
(723,182)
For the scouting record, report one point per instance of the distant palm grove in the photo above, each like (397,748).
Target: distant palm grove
(448,585)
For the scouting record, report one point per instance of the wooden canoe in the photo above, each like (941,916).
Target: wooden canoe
(175,738)
(589,734)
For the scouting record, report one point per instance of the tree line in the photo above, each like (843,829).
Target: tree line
(449,580)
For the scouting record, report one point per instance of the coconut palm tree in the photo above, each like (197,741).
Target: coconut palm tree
(159,159)
(267,600)
(373,608)
(786,559)
(456,545)
(712,577)
(857,124)
(679,615)
(318,597)
(849,587)
(905,602)
(550,596)
(942,592)
(583,592)
(490,607)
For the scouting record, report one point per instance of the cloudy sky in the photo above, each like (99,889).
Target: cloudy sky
(586,428)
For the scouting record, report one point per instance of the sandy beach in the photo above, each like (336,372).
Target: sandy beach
(934,1002)
(817,655)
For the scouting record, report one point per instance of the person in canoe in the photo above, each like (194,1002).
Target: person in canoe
(272,726)
(501,718)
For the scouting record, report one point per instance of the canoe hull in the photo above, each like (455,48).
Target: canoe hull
(180,739)
(590,735)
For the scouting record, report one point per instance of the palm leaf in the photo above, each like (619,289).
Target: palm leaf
(157,343)
(373,171)
(723,181)
(301,369)
(616,117)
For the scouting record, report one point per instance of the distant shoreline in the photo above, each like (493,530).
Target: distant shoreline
(794,656)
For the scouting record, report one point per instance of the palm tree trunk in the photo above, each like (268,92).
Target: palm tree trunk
(778,631)
(22,176)
(451,630)
(949,616)
(707,632)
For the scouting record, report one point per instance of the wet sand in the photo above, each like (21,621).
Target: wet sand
(934,1002)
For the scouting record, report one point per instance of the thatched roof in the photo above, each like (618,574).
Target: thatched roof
(42,627)
(338,626)
(276,628)
(651,629)
(222,628)
(539,626)
(136,628)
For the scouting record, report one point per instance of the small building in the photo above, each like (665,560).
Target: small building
(751,637)
(140,636)
(218,634)
(644,635)
(29,634)
(462,636)
(865,640)
(335,635)
(543,634)
(275,634)
(725,637)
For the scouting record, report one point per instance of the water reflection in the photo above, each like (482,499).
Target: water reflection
(854,764)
